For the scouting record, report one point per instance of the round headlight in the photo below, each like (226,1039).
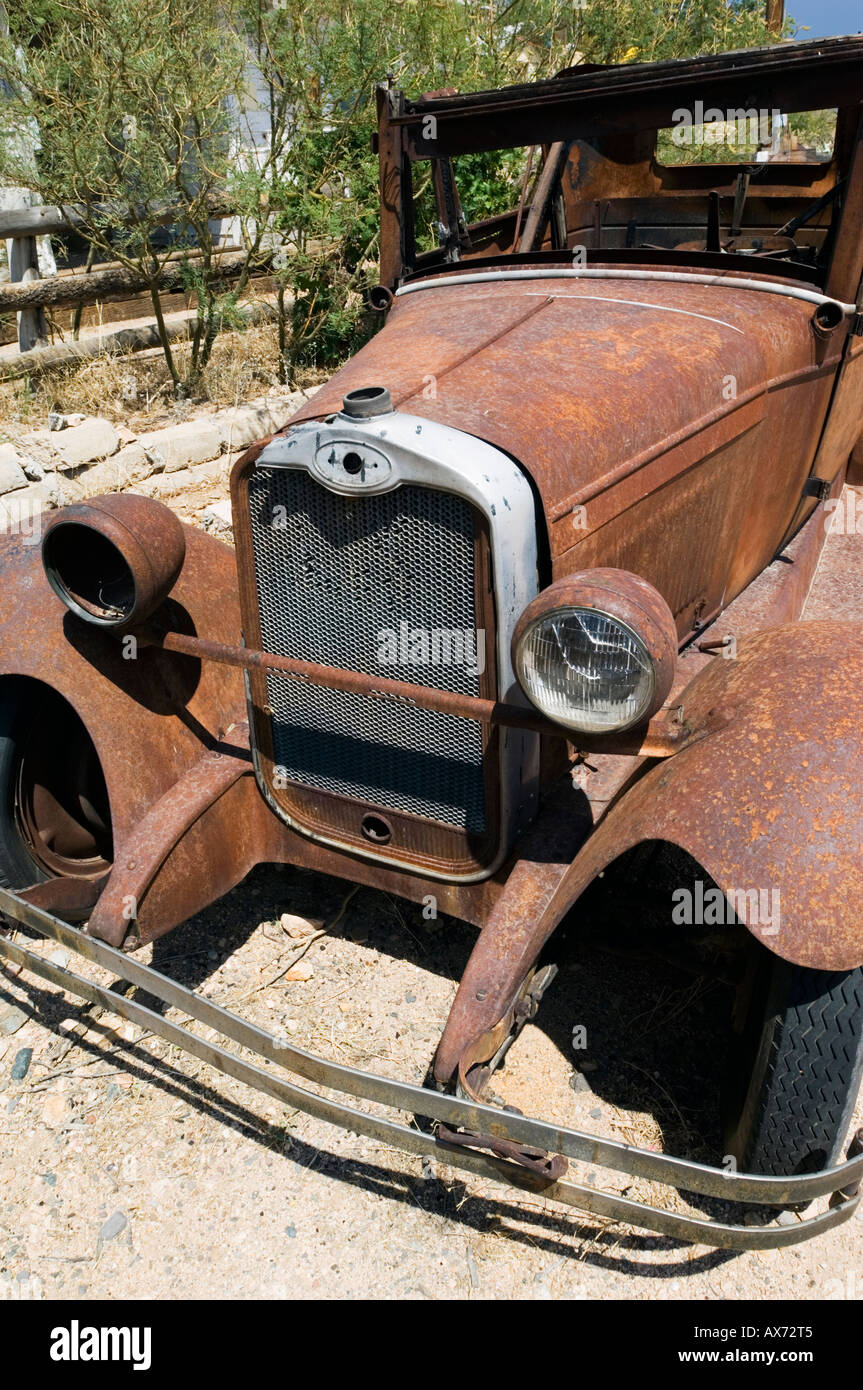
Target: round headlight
(596,651)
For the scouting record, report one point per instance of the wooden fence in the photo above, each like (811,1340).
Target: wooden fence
(64,296)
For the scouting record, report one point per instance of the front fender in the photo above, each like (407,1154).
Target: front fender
(767,796)
(152,716)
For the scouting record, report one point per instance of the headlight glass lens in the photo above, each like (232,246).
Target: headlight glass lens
(586,670)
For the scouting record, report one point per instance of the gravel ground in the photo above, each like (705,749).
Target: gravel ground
(128,1170)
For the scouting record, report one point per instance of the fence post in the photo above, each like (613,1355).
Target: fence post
(24,265)
(23,252)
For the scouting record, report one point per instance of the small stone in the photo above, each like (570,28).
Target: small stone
(113,1091)
(60,958)
(22,510)
(163,486)
(596,1113)
(31,468)
(134,463)
(786,1218)
(21,1065)
(290,1232)
(41,445)
(291,1026)
(243,426)
(299,973)
(298,926)
(218,516)
(85,443)
(577,1082)
(11,1019)
(410,998)
(59,421)
(116,1223)
(130,466)
(12,475)
(180,446)
(54,1110)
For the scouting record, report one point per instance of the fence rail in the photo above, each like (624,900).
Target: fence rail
(47,221)
(29,296)
(92,286)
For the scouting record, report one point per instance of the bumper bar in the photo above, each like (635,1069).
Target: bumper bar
(841,1182)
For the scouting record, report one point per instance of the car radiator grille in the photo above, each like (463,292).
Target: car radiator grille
(334,576)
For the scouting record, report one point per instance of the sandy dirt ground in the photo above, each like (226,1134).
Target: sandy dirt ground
(129,1170)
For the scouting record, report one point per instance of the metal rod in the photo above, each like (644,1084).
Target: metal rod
(674,277)
(662,737)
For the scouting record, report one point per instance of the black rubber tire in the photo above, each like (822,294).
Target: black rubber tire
(18,868)
(796,1071)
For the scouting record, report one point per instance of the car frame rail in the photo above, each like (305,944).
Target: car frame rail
(477,1121)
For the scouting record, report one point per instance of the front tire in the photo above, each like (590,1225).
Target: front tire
(795,1067)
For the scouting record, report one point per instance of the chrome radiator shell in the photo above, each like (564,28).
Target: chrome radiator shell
(349,529)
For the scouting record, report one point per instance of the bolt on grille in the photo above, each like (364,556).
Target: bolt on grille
(345,581)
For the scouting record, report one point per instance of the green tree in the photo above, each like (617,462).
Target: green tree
(139,105)
(131,104)
(317,181)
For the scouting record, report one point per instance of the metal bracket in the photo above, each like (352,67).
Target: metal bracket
(818,487)
(474,1076)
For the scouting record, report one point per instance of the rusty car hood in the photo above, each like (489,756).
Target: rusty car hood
(583,382)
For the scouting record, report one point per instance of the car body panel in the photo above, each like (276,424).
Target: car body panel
(668,429)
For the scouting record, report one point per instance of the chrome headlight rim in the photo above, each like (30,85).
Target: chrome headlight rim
(583,726)
(625,600)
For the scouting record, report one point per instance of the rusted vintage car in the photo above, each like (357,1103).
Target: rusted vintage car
(543,575)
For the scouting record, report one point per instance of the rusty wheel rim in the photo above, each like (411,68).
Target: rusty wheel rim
(61,801)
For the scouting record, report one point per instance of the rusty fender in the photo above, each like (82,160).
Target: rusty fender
(169,730)
(765,794)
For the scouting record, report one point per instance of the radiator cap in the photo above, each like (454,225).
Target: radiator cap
(367,401)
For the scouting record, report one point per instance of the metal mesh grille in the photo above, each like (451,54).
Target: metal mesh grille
(337,579)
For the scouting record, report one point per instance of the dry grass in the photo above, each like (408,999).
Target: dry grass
(135,388)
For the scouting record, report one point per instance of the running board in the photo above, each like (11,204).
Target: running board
(842,1183)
